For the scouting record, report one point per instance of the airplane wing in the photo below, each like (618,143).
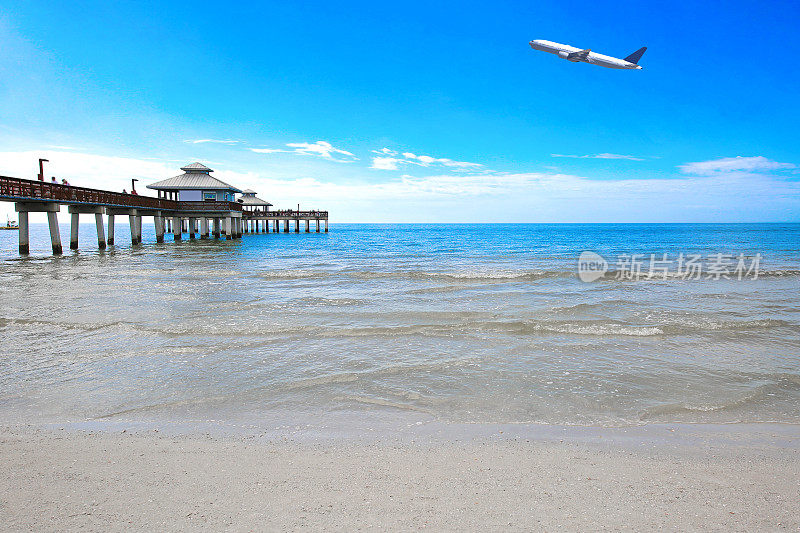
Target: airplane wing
(579,56)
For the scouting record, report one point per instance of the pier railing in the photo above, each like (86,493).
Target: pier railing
(209,206)
(29,190)
(286,213)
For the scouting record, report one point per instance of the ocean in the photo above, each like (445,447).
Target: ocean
(372,325)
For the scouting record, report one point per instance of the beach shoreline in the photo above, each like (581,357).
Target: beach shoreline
(442,476)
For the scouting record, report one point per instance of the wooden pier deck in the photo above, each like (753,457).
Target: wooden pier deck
(208,218)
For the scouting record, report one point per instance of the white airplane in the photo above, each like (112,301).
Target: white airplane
(570,53)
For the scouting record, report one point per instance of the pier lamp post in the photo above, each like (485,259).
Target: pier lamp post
(41,168)
(133,185)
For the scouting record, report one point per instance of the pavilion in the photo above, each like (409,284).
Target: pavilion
(253,204)
(195,185)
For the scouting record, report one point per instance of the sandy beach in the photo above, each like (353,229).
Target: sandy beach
(498,480)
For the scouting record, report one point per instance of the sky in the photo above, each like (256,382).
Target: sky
(416,111)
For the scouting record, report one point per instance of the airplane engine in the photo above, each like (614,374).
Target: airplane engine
(563,55)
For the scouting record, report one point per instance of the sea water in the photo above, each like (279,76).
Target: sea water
(474,323)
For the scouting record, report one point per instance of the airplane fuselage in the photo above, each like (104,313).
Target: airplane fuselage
(570,53)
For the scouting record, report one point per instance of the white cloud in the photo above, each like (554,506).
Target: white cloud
(600,156)
(268,150)
(385,163)
(215,141)
(59,147)
(395,160)
(734,164)
(446,197)
(322,149)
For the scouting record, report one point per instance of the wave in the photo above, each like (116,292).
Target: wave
(499,275)
(313,301)
(781,383)
(446,324)
(290,274)
(465,275)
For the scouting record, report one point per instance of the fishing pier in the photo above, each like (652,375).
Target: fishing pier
(193,203)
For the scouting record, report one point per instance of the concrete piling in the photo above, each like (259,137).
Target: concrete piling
(176,228)
(217,224)
(24,242)
(132,224)
(110,239)
(158,223)
(55,234)
(228,228)
(101,232)
(73,231)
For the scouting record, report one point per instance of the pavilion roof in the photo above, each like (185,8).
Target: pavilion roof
(252,200)
(196,176)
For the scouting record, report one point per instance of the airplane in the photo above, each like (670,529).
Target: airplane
(570,53)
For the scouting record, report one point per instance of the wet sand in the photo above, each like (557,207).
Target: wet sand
(707,479)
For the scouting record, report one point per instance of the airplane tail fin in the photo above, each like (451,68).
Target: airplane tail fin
(636,56)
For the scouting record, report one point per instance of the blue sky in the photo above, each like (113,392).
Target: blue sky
(317,103)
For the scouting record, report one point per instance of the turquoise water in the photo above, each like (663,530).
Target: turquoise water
(464,323)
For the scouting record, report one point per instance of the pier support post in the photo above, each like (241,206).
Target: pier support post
(317,225)
(55,234)
(138,229)
(326,225)
(308,226)
(204,228)
(176,228)
(228,228)
(73,232)
(192,225)
(81,209)
(51,208)
(297,225)
(217,224)
(24,242)
(158,224)
(110,239)
(132,224)
(101,231)
(286,225)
